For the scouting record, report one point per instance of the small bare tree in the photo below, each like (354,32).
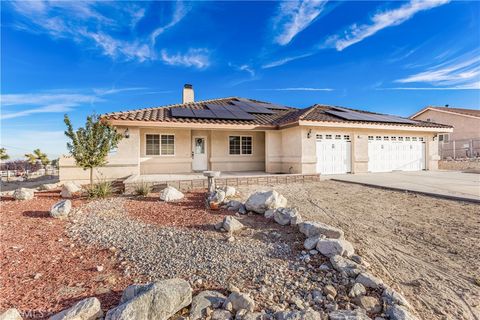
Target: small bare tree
(90,146)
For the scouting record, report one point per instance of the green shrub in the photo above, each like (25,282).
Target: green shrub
(101,189)
(142,189)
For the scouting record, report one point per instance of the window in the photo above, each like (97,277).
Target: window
(407,138)
(338,136)
(319,136)
(385,138)
(378,138)
(420,139)
(443,137)
(240,145)
(414,138)
(394,138)
(160,145)
(346,137)
(400,138)
(328,136)
(370,137)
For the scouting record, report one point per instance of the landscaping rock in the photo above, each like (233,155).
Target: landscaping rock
(330,290)
(369,280)
(230,224)
(358,314)
(397,312)
(332,247)
(311,242)
(285,216)
(49,186)
(269,214)
(240,301)
(204,300)
(392,297)
(357,290)
(348,266)
(170,194)
(132,291)
(86,309)
(254,316)
(260,202)
(11,314)
(229,191)
(24,194)
(298,315)
(370,304)
(69,189)
(159,301)
(218,196)
(234,205)
(220,314)
(310,229)
(61,209)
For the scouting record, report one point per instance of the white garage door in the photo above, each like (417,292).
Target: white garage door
(389,153)
(333,153)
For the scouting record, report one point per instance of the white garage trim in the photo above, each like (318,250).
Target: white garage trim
(396,153)
(334,153)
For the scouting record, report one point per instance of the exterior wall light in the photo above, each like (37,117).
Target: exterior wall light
(309,133)
(126,134)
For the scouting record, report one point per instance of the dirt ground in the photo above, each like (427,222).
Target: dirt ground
(426,247)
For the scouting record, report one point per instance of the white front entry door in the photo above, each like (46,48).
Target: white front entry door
(333,154)
(391,153)
(199,152)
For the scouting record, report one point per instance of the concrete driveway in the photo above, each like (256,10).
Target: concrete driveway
(451,184)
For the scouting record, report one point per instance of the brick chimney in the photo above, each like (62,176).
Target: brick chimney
(188,95)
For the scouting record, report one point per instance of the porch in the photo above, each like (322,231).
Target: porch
(195,180)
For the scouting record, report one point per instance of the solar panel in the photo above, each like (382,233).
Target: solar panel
(204,114)
(254,107)
(220,111)
(182,113)
(243,106)
(358,116)
(275,106)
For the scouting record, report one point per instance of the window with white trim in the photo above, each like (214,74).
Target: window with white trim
(443,137)
(346,137)
(238,145)
(370,137)
(160,145)
(328,136)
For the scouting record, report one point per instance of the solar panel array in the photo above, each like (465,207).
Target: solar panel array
(359,116)
(238,109)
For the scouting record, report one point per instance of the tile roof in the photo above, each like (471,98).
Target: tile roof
(468,112)
(279,118)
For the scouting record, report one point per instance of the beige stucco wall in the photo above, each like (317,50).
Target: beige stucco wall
(121,163)
(464,127)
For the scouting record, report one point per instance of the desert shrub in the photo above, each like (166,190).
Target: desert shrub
(100,189)
(142,189)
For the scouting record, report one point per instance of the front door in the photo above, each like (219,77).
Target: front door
(199,154)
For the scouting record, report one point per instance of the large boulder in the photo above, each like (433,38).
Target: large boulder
(229,191)
(159,300)
(49,186)
(369,280)
(397,312)
(61,209)
(358,314)
(132,291)
(218,196)
(332,247)
(240,301)
(310,229)
(230,224)
(234,205)
(350,267)
(11,314)
(220,314)
(298,315)
(286,216)
(260,202)
(370,304)
(24,194)
(86,309)
(391,297)
(357,290)
(311,242)
(69,189)
(204,300)
(170,194)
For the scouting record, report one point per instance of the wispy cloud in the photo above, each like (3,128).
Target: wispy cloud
(297,89)
(293,17)
(198,58)
(460,73)
(100,25)
(381,20)
(283,61)
(472,86)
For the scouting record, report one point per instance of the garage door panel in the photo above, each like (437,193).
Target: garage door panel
(390,154)
(333,156)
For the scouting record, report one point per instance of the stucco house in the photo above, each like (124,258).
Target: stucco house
(238,134)
(464,140)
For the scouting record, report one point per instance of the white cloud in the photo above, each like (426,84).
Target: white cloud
(472,86)
(197,58)
(293,17)
(381,20)
(283,61)
(461,73)
(297,89)
(179,12)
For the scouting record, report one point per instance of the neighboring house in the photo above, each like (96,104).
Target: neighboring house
(464,141)
(237,134)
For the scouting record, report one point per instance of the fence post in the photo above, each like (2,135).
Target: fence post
(471,149)
(454,153)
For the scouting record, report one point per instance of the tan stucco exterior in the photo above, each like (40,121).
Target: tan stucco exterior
(289,149)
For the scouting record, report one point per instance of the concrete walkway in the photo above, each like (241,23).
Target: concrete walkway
(449,184)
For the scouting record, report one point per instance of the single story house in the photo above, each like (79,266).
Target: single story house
(239,134)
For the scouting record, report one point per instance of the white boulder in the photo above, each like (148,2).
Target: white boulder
(61,209)
(311,242)
(260,202)
(159,300)
(230,224)
(170,194)
(49,186)
(397,312)
(298,315)
(229,191)
(286,216)
(220,314)
(341,264)
(357,290)
(68,189)
(332,247)
(370,304)
(369,280)
(358,314)
(240,301)
(11,314)
(24,194)
(204,300)
(392,297)
(310,229)
(86,309)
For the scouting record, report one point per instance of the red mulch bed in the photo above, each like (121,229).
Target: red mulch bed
(33,243)
(189,212)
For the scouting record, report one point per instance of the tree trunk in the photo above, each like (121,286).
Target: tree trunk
(91,177)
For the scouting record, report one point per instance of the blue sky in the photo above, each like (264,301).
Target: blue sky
(83,57)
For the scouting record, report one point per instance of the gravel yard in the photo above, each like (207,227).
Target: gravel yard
(428,248)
